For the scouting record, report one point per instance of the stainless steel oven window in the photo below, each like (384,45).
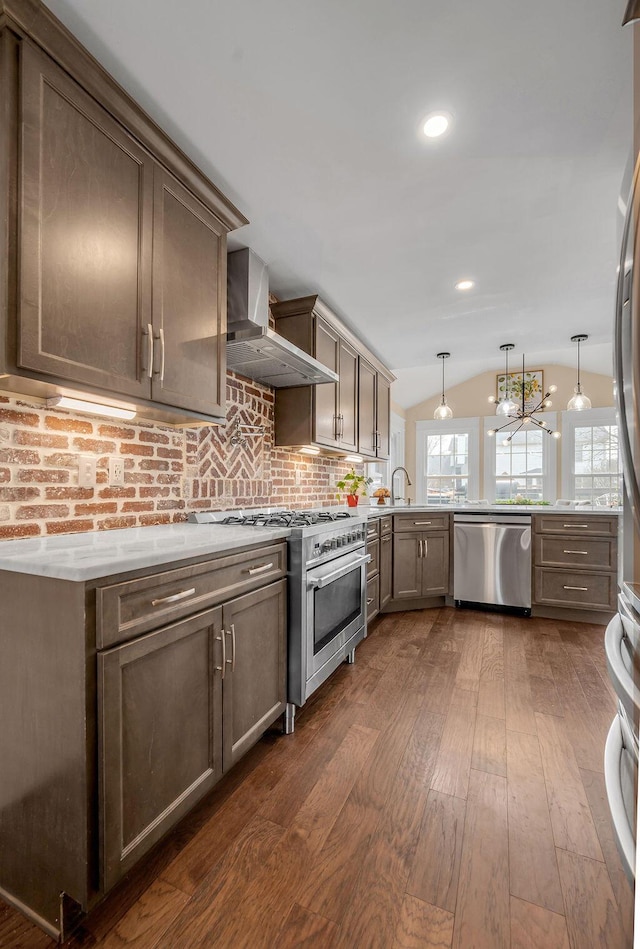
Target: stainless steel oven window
(335,607)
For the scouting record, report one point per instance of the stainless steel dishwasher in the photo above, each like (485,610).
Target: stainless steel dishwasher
(492,560)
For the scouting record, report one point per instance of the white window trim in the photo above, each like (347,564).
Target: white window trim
(549,459)
(457,426)
(571,421)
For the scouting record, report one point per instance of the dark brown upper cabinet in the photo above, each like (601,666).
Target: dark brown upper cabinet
(113,264)
(336,415)
(374,408)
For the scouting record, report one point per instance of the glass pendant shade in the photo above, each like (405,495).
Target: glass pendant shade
(578,402)
(443,412)
(506,407)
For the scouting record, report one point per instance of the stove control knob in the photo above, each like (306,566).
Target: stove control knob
(326,546)
(334,543)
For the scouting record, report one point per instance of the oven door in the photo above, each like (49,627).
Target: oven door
(336,606)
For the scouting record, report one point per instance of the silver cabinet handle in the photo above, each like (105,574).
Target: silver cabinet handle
(370,601)
(160,337)
(148,332)
(260,569)
(174,597)
(221,639)
(571,526)
(422,523)
(613,750)
(583,552)
(420,543)
(231,632)
(582,589)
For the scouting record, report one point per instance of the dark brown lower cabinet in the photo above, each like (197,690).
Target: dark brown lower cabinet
(255,686)
(420,564)
(176,709)
(160,734)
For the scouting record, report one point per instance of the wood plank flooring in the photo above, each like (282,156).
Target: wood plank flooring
(445,791)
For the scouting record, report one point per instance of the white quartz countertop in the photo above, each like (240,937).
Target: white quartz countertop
(94,554)
(375,510)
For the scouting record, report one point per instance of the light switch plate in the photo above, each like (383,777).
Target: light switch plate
(86,471)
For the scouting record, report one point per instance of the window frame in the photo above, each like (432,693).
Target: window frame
(595,418)
(455,426)
(549,458)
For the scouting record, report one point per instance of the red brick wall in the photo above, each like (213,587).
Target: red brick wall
(168,472)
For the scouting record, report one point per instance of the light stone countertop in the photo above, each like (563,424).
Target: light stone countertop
(94,554)
(375,510)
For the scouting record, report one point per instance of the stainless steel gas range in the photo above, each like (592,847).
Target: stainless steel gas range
(327,591)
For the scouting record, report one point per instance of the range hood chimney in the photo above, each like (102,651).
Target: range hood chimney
(253,349)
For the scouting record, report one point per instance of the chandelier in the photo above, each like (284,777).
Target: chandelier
(517,412)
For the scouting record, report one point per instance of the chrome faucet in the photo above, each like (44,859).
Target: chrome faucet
(393,474)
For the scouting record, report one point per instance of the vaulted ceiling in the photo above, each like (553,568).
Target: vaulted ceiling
(307,114)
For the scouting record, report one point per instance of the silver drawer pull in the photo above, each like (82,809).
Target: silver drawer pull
(583,552)
(575,525)
(582,589)
(174,597)
(370,601)
(259,569)
(422,523)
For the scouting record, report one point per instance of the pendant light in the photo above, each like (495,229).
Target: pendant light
(579,401)
(506,406)
(443,412)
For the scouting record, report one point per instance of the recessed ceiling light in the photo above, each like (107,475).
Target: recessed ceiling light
(465,284)
(436,124)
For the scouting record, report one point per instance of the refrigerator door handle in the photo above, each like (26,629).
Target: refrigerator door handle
(613,751)
(623,319)
(622,681)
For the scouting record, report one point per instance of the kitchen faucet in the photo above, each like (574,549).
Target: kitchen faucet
(393,474)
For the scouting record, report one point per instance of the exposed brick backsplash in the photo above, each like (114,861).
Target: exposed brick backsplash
(168,472)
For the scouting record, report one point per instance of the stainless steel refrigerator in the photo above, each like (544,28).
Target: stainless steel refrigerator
(622,637)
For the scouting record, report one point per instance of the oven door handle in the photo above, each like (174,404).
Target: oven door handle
(319,582)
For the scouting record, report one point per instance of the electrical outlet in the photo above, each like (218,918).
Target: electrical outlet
(116,471)
(86,471)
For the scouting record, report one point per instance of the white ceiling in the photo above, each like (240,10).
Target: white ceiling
(306,115)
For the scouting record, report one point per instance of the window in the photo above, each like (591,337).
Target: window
(523,467)
(447,461)
(591,457)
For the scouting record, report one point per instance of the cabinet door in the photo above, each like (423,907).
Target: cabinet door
(383,416)
(385,569)
(407,566)
(189,294)
(326,395)
(160,734)
(254,687)
(435,563)
(367,383)
(85,237)
(373,598)
(348,396)
(373,549)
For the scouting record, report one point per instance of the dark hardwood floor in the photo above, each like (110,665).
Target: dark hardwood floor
(445,791)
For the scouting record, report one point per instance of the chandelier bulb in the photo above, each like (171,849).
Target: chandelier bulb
(555,434)
(491,432)
(553,388)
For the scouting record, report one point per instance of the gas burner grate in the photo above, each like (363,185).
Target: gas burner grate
(286,518)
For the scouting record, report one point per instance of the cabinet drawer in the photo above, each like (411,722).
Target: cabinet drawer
(373,529)
(373,597)
(373,548)
(386,525)
(421,522)
(125,610)
(598,553)
(582,591)
(594,524)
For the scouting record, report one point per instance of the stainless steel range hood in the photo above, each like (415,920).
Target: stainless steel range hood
(253,349)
